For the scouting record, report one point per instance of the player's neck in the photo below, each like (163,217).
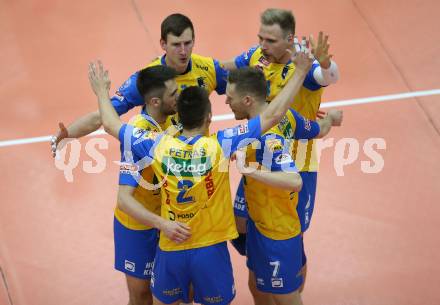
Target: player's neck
(285,58)
(188,133)
(257,108)
(156,115)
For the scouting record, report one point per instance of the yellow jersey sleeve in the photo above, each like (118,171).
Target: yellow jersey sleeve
(150,199)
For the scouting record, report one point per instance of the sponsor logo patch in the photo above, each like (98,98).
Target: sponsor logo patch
(277,283)
(186,167)
(264,61)
(118,96)
(148,268)
(242,129)
(128,168)
(283,159)
(148,135)
(205,68)
(137,132)
(130,266)
(172,292)
(213,300)
(307,124)
(274,144)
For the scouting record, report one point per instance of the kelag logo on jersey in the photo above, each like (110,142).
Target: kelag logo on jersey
(205,68)
(186,167)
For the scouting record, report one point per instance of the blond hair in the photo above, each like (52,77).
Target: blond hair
(283,18)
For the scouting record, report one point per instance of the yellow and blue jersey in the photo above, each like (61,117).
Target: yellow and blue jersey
(306,102)
(194,178)
(204,72)
(150,199)
(289,126)
(273,210)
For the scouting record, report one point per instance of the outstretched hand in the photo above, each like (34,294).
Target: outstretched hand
(55,140)
(301,55)
(98,78)
(320,50)
(336,116)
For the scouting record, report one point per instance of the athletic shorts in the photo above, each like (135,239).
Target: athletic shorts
(306,199)
(276,263)
(208,269)
(134,250)
(240,209)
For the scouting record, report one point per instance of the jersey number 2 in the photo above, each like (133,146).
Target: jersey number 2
(183,186)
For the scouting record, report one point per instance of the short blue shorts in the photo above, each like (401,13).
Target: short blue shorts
(276,263)
(306,199)
(134,250)
(240,209)
(208,269)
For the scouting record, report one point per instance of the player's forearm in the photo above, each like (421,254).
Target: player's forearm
(84,125)
(279,106)
(228,64)
(109,118)
(325,125)
(129,205)
(326,76)
(284,180)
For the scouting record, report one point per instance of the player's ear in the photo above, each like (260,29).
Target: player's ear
(155,101)
(209,118)
(290,38)
(247,100)
(163,44)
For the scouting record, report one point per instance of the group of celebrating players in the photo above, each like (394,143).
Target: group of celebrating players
(174,176)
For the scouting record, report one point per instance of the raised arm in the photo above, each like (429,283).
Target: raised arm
(80,128)
(125,98)
(280,104)
(327,73)
(100,84)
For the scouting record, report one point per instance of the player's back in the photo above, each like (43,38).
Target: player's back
(195,176)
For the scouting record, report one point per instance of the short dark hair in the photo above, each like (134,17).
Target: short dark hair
(249,81)
(175,24)
(151,80)
(283,18)
(193,106)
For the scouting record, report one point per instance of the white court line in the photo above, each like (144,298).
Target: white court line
(230,116)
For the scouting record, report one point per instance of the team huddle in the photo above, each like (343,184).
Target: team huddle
(174,212)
